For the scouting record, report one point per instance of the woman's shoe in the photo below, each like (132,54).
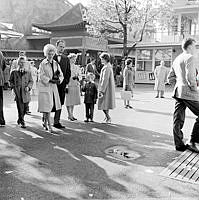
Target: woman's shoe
(74,118)
(45,126)
(70,119)
(126,107)
(108,121)
(50,130)
(130,107)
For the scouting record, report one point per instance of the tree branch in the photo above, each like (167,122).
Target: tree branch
(113,22)
(118,13)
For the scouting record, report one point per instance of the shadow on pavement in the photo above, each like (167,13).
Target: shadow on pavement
(72,162)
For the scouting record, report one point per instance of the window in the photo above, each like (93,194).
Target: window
(163,54)
(144,60)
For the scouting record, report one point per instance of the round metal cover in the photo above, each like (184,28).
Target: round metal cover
(122,152)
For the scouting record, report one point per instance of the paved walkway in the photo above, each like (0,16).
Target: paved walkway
(73,164)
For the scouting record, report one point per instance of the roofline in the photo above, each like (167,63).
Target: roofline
(60,27)
(50,28)
(112,46)
(37,37)
(17,50)
(187,7)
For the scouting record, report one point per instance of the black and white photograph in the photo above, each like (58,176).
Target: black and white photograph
(99,99)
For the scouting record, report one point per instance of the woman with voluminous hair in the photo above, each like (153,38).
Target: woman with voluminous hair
(50,75)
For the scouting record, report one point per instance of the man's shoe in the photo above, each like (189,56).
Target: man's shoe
(3,123)
(28,112)
(192,147)
(23,125)
(86,120)
(58,126)
(182,148)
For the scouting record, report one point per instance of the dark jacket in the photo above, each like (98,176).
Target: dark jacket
(65,67)
(90,90)
(19,82)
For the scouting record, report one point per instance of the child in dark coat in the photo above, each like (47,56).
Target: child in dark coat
(21,82)
(90,96)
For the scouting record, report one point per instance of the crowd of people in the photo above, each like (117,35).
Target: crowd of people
(59,80)
(57,83)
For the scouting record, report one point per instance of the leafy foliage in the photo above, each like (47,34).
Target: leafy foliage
(125,16)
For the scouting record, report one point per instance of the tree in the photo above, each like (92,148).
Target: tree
(124,16)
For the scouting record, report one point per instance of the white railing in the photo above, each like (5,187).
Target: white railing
(169,38)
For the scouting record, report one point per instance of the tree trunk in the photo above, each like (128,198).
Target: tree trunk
(125,54)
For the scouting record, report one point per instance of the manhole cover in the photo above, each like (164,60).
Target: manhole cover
(184,168)
(122,153)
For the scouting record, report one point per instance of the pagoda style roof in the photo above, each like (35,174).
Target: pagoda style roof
(72,18)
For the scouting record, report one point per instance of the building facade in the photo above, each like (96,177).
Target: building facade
(165,44)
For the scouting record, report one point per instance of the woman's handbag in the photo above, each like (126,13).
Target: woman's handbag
(126,95)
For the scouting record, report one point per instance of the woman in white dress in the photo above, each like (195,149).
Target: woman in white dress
(73,90)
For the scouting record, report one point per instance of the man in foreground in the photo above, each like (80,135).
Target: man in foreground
(183,74)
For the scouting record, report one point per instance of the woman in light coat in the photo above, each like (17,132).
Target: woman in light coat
(73,90)
(160,74)
(50,75)
(106,87)
(128,80)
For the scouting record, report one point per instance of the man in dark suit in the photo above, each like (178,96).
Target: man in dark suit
(64,63)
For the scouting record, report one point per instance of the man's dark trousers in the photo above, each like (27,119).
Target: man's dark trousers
(2,121)
(179,118)
(22,108)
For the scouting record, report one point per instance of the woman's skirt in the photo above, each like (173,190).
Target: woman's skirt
(73,96)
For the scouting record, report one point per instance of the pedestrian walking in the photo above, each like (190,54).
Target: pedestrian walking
(21,82)
(183,74)
(34,73)
(50,75)
(2,68)
(128,80)
(64,64)
(73,90)
(90,96)
(14,66)
(106,87)
(160,74)
(118,75)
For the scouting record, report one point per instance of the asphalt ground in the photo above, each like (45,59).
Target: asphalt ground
(73,163)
